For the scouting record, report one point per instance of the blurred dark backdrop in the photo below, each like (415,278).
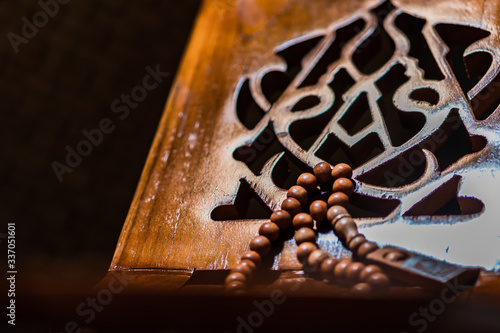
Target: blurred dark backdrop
(62,81)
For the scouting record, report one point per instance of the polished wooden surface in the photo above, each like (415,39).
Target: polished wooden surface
(171,241)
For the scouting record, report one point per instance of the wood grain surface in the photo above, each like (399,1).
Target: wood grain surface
(191,171)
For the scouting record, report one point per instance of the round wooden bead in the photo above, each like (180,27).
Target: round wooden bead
(270,230)
(302,220)
(341,170)
(308,181)
(335,211)
(299,193)
(368,271)
(354,243)
(233,286)
(343,185)
(292,206)
(304,250)
(323,172)
(243,269)
(346,229)
(327,267)
(315,260)
(261,245)
(305,235)
(236,276)
(365,249)
(361,289)
(379,282)
(340,270)
(282,218)
(252,256)
(353,271)
(318,210)
(395,256)
(249,264)
(338,199)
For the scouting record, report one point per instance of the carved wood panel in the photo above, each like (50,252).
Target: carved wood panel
(407,92)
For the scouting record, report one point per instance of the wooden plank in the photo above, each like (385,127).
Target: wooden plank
(191,168)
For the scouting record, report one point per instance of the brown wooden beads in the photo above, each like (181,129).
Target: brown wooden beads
(282,218)
(308,181)
(323,172)
(362,279)
(315,259)
(338,199)
(261,245)
(327,267)
(270,230)
(344,272)
(341,170)
(292,206)
(253,257)
(305,235)
(302,220)
(318,210)
(343,185)
(299,193)
(304,250)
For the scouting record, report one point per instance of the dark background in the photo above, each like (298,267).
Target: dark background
(61,82)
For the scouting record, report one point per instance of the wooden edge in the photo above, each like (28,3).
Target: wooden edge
(143,281)
(293,284)
(487,291)
(167,124)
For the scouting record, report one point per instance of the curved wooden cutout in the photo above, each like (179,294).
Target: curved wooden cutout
(413,100)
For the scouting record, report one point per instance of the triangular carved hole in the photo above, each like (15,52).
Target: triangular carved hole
(247,205)
(366,206)
(443,201)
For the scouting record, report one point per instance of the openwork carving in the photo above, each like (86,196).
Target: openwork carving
(411,102)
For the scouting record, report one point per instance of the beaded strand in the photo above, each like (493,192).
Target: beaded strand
(363,279)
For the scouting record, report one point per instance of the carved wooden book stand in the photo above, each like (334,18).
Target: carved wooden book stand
(407,92)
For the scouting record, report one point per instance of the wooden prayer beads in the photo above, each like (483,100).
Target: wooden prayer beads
(303,220)
(270,230)
(253,257)
(305,235)
(318,210)
(341,170)
(282,218)
(261,245)
(338,199)
(343,185)
(323,172)
(292,206)
(299,193)
(308,181)
(361,278)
